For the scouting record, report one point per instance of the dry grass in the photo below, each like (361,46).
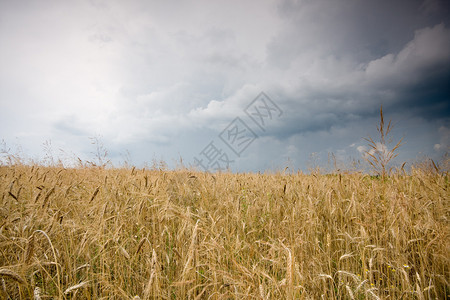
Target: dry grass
(95,233)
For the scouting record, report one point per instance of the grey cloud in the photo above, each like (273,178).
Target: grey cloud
(155,80)
(363,30)
(413,80)
(100,38)
(71,126)
(418,75)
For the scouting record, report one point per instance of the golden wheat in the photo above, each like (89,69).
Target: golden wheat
(93,233)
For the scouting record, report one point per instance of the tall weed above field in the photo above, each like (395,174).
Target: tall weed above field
(379,155)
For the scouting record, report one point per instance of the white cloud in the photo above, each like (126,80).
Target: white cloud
(361,149)
(427,51)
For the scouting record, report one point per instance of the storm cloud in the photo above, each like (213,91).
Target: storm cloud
(164,79)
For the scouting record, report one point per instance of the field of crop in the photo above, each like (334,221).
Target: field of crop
(99,233)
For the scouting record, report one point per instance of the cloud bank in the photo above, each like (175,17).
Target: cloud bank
(164,79)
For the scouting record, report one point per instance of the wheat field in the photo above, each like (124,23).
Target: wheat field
(127,233)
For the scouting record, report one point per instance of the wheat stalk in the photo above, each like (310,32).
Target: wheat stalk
(153,274)
(47,196)
(190,251)
(29,250)
(350,292)
(75,287)
(11,274)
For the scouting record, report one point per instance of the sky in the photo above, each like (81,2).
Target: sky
(244,85)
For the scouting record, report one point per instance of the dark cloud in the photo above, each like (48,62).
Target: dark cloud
(164,82)
(406,69)
(363,30)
